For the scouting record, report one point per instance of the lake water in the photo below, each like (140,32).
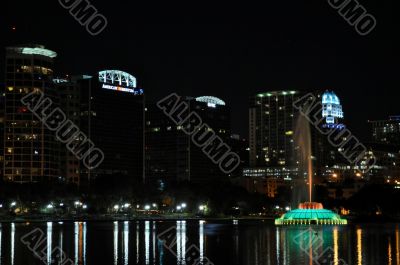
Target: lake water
(217,242)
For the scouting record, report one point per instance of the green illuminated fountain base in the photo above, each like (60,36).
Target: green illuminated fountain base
(310,213)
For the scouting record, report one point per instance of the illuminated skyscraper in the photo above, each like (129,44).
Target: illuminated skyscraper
(30,150)
(332,110)
(271,129)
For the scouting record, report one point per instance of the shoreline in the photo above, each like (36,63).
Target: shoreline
(352,220)
(136,218)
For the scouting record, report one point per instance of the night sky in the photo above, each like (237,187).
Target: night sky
(230,51)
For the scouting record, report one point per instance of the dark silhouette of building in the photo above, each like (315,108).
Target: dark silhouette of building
(170,153)
(112,116)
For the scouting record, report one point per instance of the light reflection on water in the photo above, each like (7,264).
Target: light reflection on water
(219,242)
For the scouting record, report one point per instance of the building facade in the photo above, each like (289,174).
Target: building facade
(271,129)
(31,152)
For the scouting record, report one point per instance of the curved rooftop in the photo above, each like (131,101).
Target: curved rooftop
(32,50)
(329,97)
(118,78)
(210,100)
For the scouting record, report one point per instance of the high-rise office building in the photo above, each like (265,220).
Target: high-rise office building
(271,129)
(31,151)
(112,117)
(272,123)
(69,94)
(324,153)
(170,153)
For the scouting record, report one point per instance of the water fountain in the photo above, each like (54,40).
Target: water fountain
(309,212)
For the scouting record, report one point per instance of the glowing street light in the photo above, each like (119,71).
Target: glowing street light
(116,207)
(13,204)
(179,207)
(183,205)
(147,207)
(50,206)
(202,207)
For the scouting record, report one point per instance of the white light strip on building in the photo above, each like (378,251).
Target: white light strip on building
(39,51)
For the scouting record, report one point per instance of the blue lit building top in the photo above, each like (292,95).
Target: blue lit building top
(330,98)
(332,110)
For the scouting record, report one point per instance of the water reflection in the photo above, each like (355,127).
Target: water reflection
(220,243)
(1,237)
(201,241)
(12,243)
(80,242)
(397,245)
(147,241)
(154,242)
(137,242)
(335,245)
(115,243)
(389,252)
(181,242)
(60,244)
(359,247)
(49,241)
(126,243)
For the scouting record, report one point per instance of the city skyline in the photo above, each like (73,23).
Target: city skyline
(199,135)
(230,59)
